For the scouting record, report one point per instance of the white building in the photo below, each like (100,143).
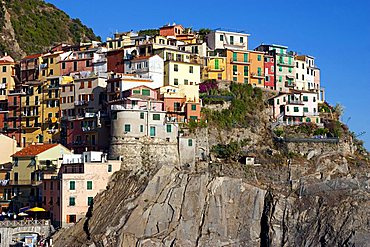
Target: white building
(304,73)
(219,39)
(147,67)
(296,107)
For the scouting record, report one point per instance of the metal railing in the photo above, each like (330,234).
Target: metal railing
(20,223)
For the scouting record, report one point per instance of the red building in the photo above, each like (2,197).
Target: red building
(269,72)
(171,30)
(77,61)
(115,61)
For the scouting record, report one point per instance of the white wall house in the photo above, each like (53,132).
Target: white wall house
(296,107)
(147,67)
(219,39)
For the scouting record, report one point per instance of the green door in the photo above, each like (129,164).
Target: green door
(152,131)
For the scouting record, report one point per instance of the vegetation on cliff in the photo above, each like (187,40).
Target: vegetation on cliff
(38,25)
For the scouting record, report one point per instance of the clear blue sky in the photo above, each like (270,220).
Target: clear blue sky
(335,32)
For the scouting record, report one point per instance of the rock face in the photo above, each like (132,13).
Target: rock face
(167,206)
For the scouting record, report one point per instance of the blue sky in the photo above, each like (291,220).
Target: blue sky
(335,32)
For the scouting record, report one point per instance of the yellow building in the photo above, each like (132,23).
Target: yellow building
(31,112)
(50,64)
(40,112)
(237,66)
(215,68)
(257,64)
(180,68)
(7,74)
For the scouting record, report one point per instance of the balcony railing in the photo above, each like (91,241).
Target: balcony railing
(282,63)
(295,102)
(257,75)
(215,70)
(81,102)
(18,223)
(310,114)
(240,61)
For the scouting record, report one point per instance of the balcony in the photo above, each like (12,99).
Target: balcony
(236,46)
(142,70)
(295,102)
(257,75)
(310,114)
(81,103)
(215,70)
(282,63)
(289,84)
(247,62)
(30,115)
(89,129)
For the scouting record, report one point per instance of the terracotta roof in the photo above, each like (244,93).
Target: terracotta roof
(33,150)
(32,56)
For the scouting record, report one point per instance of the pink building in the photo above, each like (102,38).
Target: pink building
(80,178)
(269,72)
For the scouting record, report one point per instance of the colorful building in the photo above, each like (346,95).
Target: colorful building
(257,72)
(269,71)
(81,177)
(238,66)
(230,40)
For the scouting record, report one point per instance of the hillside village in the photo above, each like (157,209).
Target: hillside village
(67,115)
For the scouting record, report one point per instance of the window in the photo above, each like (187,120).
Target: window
(246,81)
(191,69)
(89,84)
(296,109)
(259,81)
(267,78)
(141,128)
(51,72)
(280,68)
(277,101)
(51,185)
(89,185)
(109,168)
(246,57)
(235,78)
(302,65)
(314,99)
(235,56)
(305,109)
(72,185)
(156,117)
(235,70)
(4,69)
(246,70)
(259,57)
(175,67)
(241,40)
(231,40)
(193,107)
(72,201)
(296,64)
(127,128)
(302,77)
(169,128)
(280,78)
(287,108)
(145,92)
(141,115)
(290,70)
(71,218)
(90,200)
(259,71)
(51,60)
(296,75)
(221,37)
(176,81)
(186,81)
(190,142)
(305,98)
(87,63)
(82,85)
(63,65)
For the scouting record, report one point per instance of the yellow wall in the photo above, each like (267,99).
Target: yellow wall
(257,73)
(32,112)
(211,72)
(240,75)
(53,65)
(8,77)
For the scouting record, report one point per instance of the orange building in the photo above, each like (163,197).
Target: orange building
(237,66)
(171,30)
(257,73)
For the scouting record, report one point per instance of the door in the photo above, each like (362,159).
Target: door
(152,131)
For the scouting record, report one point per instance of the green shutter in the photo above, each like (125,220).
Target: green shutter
(152,131)
(305,98)
(136,91)
(259,71)
(259,57)
(216,64)
(72,185)
(190,142)
(145,92)
(235,56)
(90,200)
(169,128)
(193,107)
(72,201)
(127,128)
(109,168)
(89,185)
(141,128)
(246,70)
(156,117)
(246,57)
(141,115)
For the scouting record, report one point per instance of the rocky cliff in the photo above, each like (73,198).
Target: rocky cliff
(295,194)
(321,201)
(31,26)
